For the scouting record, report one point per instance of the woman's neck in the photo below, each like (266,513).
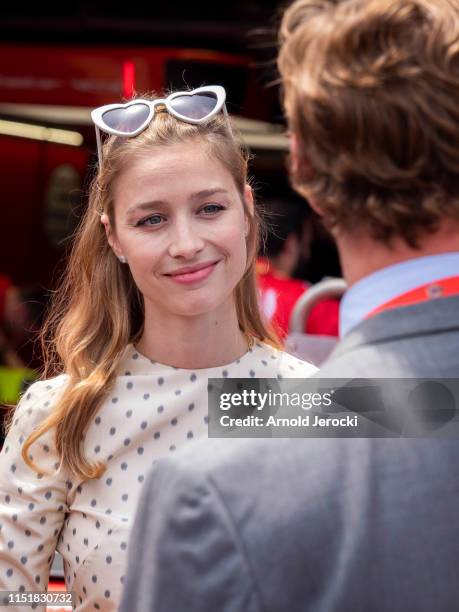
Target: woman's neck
(192,342)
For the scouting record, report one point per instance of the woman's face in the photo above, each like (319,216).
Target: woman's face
(181,225)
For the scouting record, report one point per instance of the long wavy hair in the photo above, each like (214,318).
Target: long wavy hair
(98,310)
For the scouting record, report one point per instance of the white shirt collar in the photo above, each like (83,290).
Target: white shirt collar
(384,285)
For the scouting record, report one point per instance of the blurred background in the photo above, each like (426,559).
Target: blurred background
(56,64)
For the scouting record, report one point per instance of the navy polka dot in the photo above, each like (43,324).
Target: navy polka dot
(120,439)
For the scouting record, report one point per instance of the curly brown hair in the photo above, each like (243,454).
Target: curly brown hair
(371,94)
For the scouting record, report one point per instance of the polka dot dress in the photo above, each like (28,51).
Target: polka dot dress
(152,410)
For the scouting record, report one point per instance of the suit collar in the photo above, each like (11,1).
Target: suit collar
(436,316)
(382,286)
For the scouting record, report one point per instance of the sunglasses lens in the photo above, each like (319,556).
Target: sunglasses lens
(127,119)
(196,106)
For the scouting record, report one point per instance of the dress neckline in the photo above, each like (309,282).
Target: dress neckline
(134,354)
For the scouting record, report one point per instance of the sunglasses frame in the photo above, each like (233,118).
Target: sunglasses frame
(98,113)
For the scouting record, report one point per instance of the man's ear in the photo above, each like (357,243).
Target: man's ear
(111,238)
(295,160)
(294,155)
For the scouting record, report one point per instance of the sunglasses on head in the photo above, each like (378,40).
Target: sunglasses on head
(130,119)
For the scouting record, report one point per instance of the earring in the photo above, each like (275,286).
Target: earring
(122,259)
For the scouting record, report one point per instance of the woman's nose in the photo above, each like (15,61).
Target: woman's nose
(186,241)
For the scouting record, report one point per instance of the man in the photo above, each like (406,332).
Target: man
(354,525)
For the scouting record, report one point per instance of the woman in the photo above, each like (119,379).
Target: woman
(158,297)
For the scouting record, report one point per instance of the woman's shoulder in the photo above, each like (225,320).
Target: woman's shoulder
(38,399)
(284,364)
(34,407)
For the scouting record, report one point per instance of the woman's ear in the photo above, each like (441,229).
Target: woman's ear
(111,237)
(248,197)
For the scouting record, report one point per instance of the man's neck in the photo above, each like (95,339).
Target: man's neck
(361,255)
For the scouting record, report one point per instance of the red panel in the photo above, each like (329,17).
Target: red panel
(87,76)
(26,252)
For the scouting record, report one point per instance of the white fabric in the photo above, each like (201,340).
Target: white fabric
(152,410)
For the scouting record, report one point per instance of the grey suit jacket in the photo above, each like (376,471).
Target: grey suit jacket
(320,525)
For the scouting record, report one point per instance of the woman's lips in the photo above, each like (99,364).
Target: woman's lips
(194,276)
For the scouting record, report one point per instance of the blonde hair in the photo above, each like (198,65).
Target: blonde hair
(371,95)
(98,309)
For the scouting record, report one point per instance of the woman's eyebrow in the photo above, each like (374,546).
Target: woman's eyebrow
(206,193)
(162,204)
(156,204)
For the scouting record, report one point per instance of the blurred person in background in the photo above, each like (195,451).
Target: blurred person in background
(340,525)
(10,321)
(21,315)
(288,239)
(159,296)
(22,311)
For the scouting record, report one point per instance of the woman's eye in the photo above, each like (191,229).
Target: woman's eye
(210,209)
(153,220)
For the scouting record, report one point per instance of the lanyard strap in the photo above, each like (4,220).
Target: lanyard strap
(444,287)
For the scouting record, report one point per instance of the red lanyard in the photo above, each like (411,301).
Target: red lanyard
(444,287)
